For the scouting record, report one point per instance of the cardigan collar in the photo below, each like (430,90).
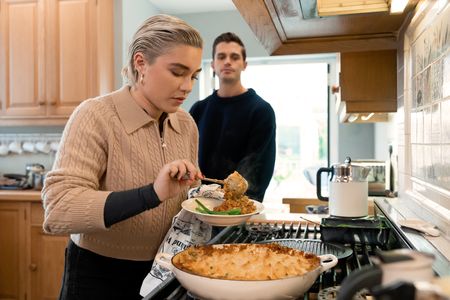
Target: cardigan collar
(133,116)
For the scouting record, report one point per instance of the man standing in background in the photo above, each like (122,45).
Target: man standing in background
(236,126)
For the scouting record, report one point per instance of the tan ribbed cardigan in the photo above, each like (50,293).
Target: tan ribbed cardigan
(111,144)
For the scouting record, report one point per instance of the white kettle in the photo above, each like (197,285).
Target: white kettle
(348,189)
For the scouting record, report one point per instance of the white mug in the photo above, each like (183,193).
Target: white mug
(54,146)
(15,147)
(43,147)
(4,150)
(28,147)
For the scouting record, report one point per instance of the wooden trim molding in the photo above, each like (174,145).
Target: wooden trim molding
(258,17)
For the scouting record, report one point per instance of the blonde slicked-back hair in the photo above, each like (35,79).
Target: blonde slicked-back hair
(157,35)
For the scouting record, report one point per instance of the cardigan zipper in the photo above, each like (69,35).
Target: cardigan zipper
(163,158)
(163,148)
(163,144)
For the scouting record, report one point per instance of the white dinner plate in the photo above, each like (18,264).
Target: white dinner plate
(218,220)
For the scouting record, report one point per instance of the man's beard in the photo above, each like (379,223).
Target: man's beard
(229,80)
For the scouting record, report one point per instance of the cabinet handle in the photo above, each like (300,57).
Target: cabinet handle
(42,102)
(32,267)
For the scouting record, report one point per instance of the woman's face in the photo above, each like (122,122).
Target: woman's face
(168,80)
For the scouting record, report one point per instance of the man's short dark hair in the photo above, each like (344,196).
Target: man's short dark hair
(228,37)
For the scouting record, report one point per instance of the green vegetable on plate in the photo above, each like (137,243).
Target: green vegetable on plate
(204,210)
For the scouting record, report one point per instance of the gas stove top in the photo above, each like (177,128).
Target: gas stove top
(363,237)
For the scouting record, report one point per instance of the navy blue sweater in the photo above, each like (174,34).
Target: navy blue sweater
(237,133)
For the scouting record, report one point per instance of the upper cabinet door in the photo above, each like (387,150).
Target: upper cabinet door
(22,69)
(53,55)
(369,81)
(71,54)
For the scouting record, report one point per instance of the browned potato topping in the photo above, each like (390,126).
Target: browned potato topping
(246,261)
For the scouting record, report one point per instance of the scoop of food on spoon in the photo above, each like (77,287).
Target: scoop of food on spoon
(234,183)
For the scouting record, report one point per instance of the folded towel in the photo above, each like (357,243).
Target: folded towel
(207,190)
(186,230)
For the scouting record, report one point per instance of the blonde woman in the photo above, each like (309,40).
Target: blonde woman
(117,178)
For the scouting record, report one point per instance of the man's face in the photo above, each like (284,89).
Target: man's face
(228,62)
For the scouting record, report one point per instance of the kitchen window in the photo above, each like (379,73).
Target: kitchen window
(297,87)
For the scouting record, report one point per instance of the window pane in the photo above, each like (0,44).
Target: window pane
(298,93)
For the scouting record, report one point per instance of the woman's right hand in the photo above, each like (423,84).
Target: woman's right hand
(174,177)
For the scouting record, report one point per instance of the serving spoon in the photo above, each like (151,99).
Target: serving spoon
(186,177)
(222,182)
(234,183)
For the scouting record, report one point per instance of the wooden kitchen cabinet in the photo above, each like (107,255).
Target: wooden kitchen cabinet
(32,262)
(368,81)
(47,258)
(13,252)
(53,55)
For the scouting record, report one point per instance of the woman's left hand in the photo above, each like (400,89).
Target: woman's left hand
(174,177)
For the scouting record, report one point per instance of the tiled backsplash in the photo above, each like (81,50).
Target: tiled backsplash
(427,101)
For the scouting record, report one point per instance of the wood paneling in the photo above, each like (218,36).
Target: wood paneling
(368,81)
(262,22)
(59,56)
(47,264)
(13,233)
(73,65)
(282,30)
(31,262)
(21,81)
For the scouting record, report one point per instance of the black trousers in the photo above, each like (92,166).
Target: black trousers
(88,275)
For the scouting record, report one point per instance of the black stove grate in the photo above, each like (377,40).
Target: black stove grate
(257,232)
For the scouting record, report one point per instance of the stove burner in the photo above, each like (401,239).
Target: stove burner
(331,293)
(264,228)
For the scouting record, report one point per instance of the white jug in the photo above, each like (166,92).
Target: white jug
(348,189)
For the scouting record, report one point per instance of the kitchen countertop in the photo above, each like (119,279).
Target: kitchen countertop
(20,195)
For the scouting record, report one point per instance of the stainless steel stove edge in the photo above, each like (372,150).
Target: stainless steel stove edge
(395,209)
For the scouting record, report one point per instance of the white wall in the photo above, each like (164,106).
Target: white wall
(128,16)
(356,140)
(212,24)
(385,135)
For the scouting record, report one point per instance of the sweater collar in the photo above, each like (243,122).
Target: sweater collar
(239,97)
(133,116)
